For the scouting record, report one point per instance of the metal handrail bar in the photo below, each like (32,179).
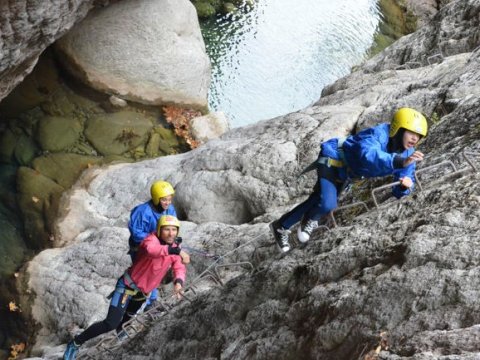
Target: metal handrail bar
(445,162)
(240,263)
(381,188)
(343,207)
(466,153)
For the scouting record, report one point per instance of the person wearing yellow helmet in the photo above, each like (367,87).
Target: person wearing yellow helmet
(144,219)
(157,253)
(386,149)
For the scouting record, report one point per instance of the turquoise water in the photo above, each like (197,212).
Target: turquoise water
(277,57)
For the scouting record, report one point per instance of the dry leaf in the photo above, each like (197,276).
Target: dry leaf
(35,199)
(180,119)
(16,274)
(16,349)
(13,307)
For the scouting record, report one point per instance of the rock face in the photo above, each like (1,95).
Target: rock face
(424,10)
(403,277)
(454,29)
(148,51)
(27,28)
(210,126)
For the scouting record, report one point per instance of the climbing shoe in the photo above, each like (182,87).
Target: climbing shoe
(280,235)
(71,351)
(305,230)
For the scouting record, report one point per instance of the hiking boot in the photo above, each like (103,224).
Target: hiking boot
(280,235)
(71,351)
(305,230)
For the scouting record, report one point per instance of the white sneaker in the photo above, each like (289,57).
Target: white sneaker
(305,230)
(281,236)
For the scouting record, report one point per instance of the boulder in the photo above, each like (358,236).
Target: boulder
(64,168)
(148,51)
(116,133)
(56,133)
(38,198)
(209,127)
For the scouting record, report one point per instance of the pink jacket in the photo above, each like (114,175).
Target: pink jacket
(152,263)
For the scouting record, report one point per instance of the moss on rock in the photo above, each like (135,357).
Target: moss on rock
(38,198)
(64,168)
(117,133)
(56,133)
(204,9)
(8,142)
(25,150)
(169,141)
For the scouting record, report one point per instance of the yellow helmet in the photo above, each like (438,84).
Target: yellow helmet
(167,220)
(160,189)
(409,119)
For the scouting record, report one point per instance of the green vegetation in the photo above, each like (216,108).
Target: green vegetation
(397,21)
(209,8)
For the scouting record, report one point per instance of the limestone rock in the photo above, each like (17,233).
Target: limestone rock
(57,133)
(38,198)
(27,28)
(63,168)
(209,127)
(114,134)
(116,101)
(454,29)
(148,51)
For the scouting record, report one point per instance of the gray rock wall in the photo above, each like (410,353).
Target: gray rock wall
(29,27)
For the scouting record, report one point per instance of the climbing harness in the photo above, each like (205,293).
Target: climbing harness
(328,161)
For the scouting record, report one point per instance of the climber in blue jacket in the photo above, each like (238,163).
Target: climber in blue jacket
(144,219)
(386,149)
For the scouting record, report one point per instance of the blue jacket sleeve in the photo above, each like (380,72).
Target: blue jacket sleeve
(139,225)
(171,211)
(409,171)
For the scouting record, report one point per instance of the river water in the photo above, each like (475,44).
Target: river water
(276,57)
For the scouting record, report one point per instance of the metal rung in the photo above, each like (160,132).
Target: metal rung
(213,276)
(466,155)
(241,263)
(418,172)
(433,57)
(381,188)
(332,213)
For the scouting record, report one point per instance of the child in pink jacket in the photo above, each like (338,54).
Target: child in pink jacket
(156,254)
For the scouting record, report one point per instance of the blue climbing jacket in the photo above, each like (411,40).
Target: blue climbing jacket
(366,155)
(144,220)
